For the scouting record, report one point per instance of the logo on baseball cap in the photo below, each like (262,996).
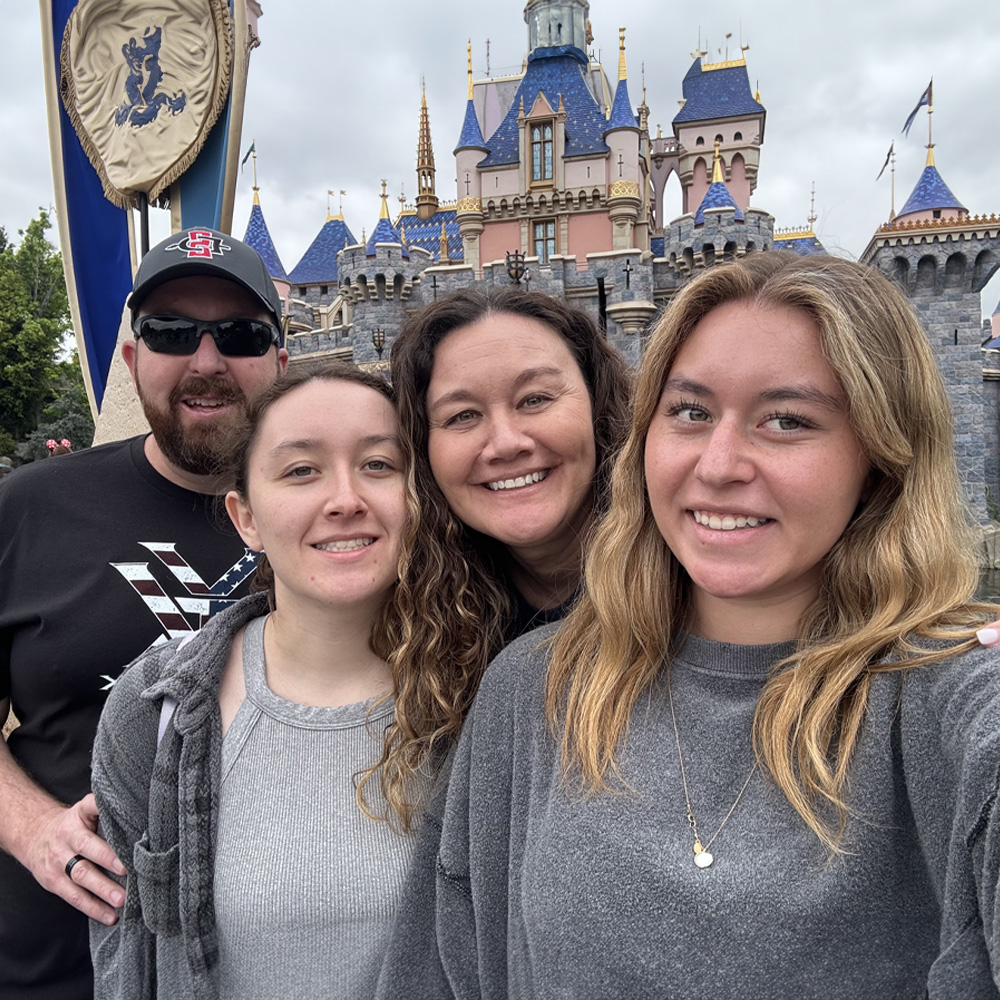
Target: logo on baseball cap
(206,252)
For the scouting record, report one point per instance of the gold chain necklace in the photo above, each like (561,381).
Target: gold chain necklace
(702,857)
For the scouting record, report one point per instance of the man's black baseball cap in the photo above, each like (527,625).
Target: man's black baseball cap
(201,251)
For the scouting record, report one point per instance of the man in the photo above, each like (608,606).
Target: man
(102,554)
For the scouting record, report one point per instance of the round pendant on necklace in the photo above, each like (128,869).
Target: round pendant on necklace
(703,859)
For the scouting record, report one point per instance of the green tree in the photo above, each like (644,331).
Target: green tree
(34,316)
(66,416)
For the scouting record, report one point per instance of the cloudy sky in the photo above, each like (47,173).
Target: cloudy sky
(334,96)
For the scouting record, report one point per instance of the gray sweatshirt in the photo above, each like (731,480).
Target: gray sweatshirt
(542,892)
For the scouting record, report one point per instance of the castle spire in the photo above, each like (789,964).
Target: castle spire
(622,72)
(427,202)
(384,214)
(717,177)
(472,136)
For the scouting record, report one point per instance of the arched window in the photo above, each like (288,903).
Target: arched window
(541,152)
(700,141)
(737,136)
(719,138)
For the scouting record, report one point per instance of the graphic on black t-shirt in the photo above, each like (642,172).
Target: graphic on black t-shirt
(201,600)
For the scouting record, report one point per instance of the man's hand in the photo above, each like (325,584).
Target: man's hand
(63,833)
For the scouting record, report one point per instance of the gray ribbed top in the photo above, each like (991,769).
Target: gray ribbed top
(306,885)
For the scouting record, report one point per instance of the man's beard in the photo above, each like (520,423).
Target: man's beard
(202,450)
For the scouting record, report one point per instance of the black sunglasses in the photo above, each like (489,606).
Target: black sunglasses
(235,338)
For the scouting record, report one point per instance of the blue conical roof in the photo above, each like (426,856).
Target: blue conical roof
(802,244)
(384,232)
(259,237)
(621,110)
(717,93)
(717,196)
(559,72)
(319,262)
(930,193)
(472,134)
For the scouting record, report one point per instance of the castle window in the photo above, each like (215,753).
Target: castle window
(737,136)
(700,141)
(541,152)
(544,240)
(936,213)
(323,289)
(719,138)
(303,290)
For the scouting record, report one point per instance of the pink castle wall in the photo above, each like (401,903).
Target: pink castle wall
(497,239)
(590,233)
(739,186)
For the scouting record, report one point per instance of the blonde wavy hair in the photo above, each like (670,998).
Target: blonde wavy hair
(903,568)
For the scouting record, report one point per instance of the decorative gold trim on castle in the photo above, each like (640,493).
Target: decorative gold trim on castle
(725,64)
(970,222)
(624,189)
(794,234)
(468,205)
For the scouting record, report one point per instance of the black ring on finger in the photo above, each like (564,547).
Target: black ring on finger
(72,861)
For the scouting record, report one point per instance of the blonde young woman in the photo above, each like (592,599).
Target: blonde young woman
(761,757)
(236,773)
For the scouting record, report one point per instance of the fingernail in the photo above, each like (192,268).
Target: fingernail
(987,636)
(118,898)
(109,918)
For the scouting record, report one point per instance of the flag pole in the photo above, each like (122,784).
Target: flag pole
(143,223)
(892,183)
(930,112)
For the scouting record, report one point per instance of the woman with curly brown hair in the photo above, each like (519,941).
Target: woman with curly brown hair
(512,406)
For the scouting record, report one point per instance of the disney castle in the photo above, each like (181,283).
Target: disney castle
(560,187)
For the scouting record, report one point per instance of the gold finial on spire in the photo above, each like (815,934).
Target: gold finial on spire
(340,209)
(930,156)
(253,153)
(423,91)
(384,214)
(443,245)
(469,57)
(402,234)
(622,73)
(717,177)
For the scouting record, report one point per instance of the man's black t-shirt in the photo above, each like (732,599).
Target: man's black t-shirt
(100,558)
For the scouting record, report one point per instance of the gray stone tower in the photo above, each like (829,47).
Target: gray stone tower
(941,257)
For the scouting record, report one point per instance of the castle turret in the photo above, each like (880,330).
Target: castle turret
(717,197)
(931,198)
(941,258)
(469,151)
(627,179)
(718,106)
(427,202)
(258,236)
(557,24)
(384,231)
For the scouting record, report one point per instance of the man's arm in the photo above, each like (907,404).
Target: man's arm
(43,834)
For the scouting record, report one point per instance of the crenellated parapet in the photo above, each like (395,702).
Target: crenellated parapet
(930,257)
(690,247)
